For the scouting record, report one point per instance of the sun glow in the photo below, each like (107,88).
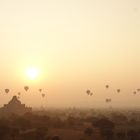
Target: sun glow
(32,73)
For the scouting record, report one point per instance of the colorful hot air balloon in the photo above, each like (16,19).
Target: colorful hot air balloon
(7,90)
(26,88)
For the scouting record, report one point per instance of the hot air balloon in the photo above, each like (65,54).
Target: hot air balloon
(138,89)
(108,100)
(7,90)
(43,95)
(107,86)
(26,88)
(88,92)
(91,94)
(40,90)
(118,90)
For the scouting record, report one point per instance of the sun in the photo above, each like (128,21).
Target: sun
(32,73)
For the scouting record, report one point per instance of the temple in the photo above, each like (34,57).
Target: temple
(14,107)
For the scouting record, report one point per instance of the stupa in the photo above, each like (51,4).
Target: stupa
(14,107)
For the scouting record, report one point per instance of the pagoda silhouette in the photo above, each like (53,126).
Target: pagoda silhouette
(14,107)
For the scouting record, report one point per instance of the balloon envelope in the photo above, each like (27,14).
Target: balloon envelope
(88,92)
(26,88)
(107,86)
(118,90)
(43,95)
(108,100)
(138,89)
(7,90)
(91,94)
(40,90)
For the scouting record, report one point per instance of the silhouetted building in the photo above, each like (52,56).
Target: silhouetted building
(14,107)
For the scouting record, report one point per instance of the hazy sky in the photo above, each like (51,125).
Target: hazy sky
(76,45)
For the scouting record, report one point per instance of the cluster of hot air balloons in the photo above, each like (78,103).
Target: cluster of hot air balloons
(135,92)
(89,92)
(109,100)
(43,95)
(40,90)
(26,88)
(118,90)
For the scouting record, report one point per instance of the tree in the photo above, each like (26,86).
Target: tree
(105,127)
(22,123)
(132,122)
(55,138)
(104,123)
(132,134)
(4,131)
(41,133)
(121,135)
(89,131)
(14,133)
(107,133)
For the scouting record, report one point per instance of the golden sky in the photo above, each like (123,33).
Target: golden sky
(76,45)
